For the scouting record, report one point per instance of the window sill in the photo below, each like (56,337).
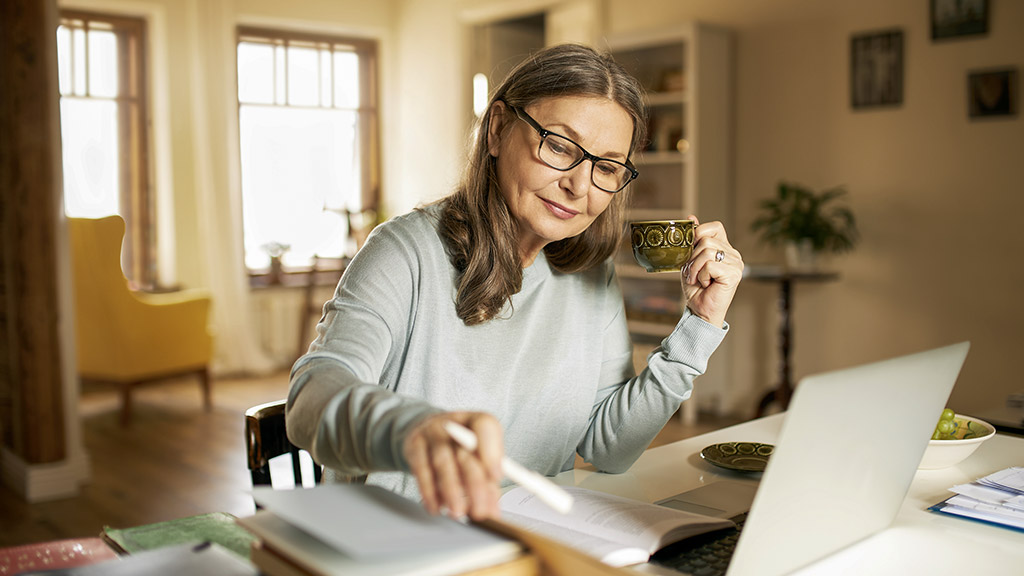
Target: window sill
(328,276)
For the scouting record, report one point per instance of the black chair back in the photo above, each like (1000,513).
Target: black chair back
(266,439)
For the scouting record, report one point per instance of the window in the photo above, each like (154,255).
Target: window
(103,129)
(307,110)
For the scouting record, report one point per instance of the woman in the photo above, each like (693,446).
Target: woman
(498,308)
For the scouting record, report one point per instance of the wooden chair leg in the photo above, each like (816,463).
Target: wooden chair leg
(126,403)
(296,467)
(204,383)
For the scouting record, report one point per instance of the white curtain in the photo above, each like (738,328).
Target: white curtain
(218,191)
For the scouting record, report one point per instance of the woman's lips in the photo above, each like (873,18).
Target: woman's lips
(558,210)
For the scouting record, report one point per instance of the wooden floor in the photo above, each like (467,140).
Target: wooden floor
(175,460)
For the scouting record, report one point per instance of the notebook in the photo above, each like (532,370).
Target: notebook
(843,462)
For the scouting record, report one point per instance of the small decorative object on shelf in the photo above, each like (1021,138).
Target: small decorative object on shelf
(673,79)
(806,223)
(275,250)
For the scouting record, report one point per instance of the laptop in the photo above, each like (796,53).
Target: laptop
(843,462)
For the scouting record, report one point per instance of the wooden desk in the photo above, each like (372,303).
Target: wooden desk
(784,387)
(917,542)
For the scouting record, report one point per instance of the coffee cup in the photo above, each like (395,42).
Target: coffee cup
(662,245)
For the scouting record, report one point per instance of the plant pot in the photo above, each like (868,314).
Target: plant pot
(276,270)
(800,256)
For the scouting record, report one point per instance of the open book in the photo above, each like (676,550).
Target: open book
(616,530)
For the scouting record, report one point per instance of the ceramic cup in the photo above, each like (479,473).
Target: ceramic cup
(662,245)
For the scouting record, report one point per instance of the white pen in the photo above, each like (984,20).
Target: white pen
(548,492)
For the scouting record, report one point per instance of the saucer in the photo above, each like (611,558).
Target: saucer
(742,456)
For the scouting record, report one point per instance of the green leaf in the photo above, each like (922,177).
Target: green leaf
(798,213)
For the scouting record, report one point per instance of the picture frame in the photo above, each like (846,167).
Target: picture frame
(992,93)
(876,69)
(956,18)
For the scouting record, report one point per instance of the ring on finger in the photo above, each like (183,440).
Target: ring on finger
(720,255)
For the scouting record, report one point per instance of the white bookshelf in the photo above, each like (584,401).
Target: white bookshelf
(687,71)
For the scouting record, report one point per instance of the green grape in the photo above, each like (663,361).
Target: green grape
(946,426)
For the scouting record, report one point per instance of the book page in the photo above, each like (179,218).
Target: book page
(609,552)
(600,523)
(1010,480)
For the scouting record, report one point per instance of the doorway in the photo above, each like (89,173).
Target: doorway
(497,47)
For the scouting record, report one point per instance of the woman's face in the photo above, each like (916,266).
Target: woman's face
(549,204)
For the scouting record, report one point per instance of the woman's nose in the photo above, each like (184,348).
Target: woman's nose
(577,180)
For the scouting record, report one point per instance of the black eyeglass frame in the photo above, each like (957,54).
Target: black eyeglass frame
(544,133)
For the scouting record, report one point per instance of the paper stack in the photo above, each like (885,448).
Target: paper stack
(996,499)
(366,530)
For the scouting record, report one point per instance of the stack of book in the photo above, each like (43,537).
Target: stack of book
(995,499)
(366,530)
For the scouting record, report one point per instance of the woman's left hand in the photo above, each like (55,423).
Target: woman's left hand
(713,273)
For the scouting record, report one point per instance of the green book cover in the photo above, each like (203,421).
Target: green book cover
(218,527)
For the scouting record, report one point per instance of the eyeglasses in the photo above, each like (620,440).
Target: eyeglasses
(563,154)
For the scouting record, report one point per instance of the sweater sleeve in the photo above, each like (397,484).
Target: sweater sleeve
(336,409)
(628,412)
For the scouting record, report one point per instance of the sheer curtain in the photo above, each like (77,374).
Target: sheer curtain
(218,193)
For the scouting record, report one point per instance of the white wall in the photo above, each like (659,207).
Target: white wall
(427,145)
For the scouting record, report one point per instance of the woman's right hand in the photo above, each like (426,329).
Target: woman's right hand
(451,477)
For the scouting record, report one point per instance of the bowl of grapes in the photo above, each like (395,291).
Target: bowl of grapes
(956,437)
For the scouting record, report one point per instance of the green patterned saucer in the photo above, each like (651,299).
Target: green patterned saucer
(742,456)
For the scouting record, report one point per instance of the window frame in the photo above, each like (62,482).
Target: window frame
(136,203)
(368,113)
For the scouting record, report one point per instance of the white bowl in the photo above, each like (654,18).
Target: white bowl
(945,453)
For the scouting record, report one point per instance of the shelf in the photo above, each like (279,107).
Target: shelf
(666,98)
(686,70)
(657,214)
(659,329)
(649,158)
(648,39)
(633,270)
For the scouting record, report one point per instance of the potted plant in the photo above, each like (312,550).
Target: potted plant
(275,250)
(806,223)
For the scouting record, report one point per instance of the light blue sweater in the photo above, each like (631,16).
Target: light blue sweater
(556,368)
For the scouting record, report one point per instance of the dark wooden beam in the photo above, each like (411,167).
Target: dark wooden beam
(31,386)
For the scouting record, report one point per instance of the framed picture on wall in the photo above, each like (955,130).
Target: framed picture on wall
(876,69)
(992,93)
(953,18)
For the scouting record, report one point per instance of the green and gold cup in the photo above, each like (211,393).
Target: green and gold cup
(662,245)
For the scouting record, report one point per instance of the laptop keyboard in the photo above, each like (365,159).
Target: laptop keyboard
(704,555)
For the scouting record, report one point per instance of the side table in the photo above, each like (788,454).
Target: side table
(783,390)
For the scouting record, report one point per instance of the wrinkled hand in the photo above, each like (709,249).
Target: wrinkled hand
(710,285)
(452,478)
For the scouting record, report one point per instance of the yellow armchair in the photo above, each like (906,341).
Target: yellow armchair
(127,337)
